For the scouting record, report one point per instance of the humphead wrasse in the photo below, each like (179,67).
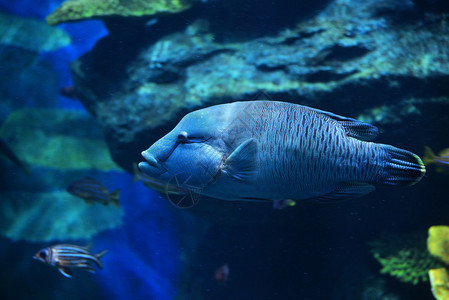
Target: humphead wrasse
(272,151)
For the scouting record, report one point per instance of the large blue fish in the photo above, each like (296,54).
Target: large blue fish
(267,150)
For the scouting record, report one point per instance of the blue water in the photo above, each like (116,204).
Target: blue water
(313,251)
(143,258)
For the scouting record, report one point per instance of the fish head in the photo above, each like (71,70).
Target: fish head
(43,255)
(189,156)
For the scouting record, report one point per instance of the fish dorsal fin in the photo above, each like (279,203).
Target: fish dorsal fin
(66,272)
(241,164)
(98,256)
(347,190)
(354,128)
(360,130)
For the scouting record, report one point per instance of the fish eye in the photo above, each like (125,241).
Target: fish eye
(43,254)
(182,136)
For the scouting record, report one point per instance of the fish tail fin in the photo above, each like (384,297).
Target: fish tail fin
(428,157)
(98,256)
(115,198)
(403,167)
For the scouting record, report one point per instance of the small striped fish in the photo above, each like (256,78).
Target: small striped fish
(92,191)
(65,256)
(274,151)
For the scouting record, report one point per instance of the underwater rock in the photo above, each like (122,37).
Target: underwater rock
(31,34)
(438,242)
(55,138)
(53,215)
(343,56)
(57,148)
(77,10)
(19,87)
(439,280)
(404,256)
(395,113)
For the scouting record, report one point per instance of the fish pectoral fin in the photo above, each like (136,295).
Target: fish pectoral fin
(241,164)
(66,272)
(89,269)
(360,130)
(347,190)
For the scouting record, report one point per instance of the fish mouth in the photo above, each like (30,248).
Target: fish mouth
(151,166)
(36,257)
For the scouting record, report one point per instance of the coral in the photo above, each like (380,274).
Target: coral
(438,242)
(439,280)
(408,265)
(395,113)
(76,10)
(31,34)
(404,256)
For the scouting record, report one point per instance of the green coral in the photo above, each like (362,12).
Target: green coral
(439,281)
(438,242)
(76,10)
(404,256)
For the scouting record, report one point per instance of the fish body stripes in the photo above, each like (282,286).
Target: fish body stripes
(268,150)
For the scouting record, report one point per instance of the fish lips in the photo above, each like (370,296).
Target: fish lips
(151,167)
(37,257)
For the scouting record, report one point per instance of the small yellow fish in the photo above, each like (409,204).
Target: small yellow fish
(92,191)
(65,256)
(441,160)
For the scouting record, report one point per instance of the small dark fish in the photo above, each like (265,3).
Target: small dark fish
(92,191)
(441,160)
(65,256)
(222,274)
(6,151)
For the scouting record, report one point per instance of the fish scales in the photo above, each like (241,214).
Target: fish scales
(294,159)
(287,151)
